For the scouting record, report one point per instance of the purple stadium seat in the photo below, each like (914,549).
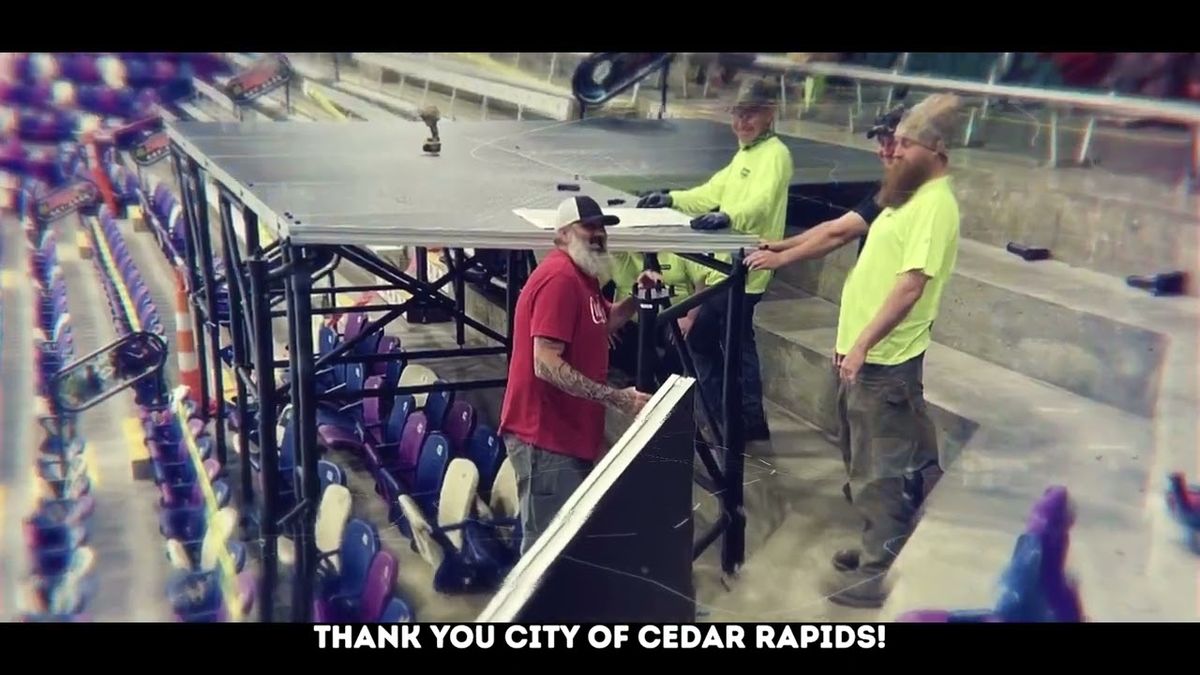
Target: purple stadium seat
(185,524)
(372,405)
(377,589)
(177,495)
(409,449)
(388,344)
(390,430)
(354,325)
(459,425)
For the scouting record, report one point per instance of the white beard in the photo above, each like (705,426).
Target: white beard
(593,263)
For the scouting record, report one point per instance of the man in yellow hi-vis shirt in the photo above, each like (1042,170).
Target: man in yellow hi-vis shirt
(888,308)
(749,195)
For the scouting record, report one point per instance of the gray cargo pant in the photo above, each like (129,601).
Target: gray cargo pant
(889,445)
(545,481)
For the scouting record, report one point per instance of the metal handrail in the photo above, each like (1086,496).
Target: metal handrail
(1118,105)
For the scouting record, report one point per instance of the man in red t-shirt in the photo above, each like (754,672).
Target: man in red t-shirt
(553,414)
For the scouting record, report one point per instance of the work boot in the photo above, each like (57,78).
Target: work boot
(757,432)
(855,589)
(846,560)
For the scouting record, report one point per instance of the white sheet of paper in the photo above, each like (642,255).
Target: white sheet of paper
(544,218)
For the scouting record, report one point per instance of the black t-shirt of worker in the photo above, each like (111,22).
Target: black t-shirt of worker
(869,211)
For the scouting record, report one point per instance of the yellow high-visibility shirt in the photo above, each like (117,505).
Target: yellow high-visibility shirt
(753,191)
(920,235)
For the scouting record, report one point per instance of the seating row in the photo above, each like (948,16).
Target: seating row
(60,580)
(195,517)
(444,476)
(166,217)
(209,580)
(356,577)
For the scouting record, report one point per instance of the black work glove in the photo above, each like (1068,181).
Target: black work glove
(655,200)
(711,221)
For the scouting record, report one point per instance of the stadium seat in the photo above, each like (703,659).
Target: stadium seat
(337,428)
(342,414)
(396,611)
(332,515)
(402,464)
(331,474)
(64,597)
(415,375)
(437,404)
(388,433)
(464,551)
(188,495)
(202,554)
(343,573)
(368,605)
(431,469)
(388,344)
(486,450)
(459,425)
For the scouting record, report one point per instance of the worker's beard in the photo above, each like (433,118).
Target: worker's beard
(594,262)
(901,180)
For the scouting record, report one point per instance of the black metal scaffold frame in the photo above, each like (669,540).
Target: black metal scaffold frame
(285,272)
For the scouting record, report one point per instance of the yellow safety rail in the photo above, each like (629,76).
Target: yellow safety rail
(323,101)
(228,576)
(110,267)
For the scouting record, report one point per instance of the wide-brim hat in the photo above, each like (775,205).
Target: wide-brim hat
(757,93)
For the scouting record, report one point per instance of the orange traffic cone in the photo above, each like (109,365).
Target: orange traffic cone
(185,338)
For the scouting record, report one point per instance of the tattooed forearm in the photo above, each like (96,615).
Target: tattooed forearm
(566,378)
(549,366)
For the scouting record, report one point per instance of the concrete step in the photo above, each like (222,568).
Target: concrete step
(1085,332)
(1005,437)
(797,470)
(471,81)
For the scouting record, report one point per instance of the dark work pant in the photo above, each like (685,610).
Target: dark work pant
(707,343)
(545,481)
(889,445)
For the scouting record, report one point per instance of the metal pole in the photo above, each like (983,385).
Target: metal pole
(648,299)
(1193,178)
(304,417)
(241,344)
(733,549)
(212,338)
(510,297)
(188,192)
(268,452)
(455,259)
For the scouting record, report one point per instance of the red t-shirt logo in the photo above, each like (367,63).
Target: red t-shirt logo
(599,313)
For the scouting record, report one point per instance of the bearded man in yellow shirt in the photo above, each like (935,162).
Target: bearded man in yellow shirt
(888,307)
(749,195)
